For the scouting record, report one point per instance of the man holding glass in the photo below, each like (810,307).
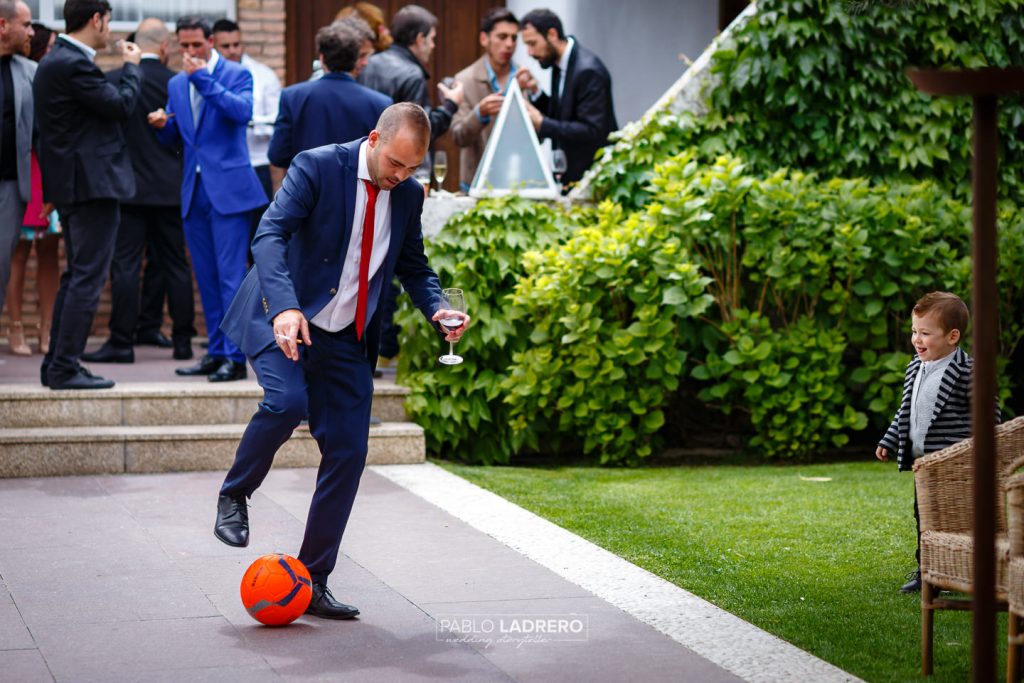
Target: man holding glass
(346,219)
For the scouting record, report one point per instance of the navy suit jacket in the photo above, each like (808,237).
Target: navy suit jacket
(216,142)
(333,109)
(300,246)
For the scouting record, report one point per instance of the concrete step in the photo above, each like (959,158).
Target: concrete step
(141,404)
(58,451)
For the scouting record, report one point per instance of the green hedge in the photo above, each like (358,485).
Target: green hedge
(607,310)
(785,298)
(481,252)
(819,85)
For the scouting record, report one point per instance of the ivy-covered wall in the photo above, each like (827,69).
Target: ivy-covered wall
(820,85)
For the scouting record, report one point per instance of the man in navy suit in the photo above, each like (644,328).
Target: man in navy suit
(209,106)
(86,172)
(345,221)
(331,109)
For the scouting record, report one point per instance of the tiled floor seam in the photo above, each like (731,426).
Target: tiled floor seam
(719,636)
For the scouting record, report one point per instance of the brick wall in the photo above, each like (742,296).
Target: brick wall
(263,30)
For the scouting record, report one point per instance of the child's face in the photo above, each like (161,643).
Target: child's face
(929,339)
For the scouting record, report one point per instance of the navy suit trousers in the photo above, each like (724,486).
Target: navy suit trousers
(333,383)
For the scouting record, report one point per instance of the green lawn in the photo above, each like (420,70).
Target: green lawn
(817,563)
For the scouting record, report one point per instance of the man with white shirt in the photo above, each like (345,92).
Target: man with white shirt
(579,114)
(266,93)
(345,221)
(209,106)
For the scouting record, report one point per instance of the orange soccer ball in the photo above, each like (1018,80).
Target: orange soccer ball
(276,589)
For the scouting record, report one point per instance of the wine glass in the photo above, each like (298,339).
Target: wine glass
(559,163)
(422,175)
(453,300)
(440,167)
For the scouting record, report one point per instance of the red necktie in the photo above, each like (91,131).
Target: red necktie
(364,258)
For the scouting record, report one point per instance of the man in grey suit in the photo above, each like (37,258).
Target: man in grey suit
(16,74)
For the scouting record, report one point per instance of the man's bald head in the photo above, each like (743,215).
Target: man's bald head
(404,115)
(151,35)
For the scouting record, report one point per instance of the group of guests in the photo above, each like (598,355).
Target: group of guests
(142,161)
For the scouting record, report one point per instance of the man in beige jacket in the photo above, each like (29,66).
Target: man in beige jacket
(485,83)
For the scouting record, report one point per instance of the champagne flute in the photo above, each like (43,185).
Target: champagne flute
(453,300)
(422,175)
(440,167)
(559,163)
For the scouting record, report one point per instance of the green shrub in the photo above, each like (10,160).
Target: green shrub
(813,282)
(820,85)
(480,252)
(606,310)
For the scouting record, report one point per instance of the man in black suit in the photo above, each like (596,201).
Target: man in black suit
(579,112)
(86,173)
(151,219)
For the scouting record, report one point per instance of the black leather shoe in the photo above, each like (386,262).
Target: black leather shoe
(153,339)
(229,371)
(108,353)
(81,380)
(232,526)
(182,348)
(325,606)
(913,585)
(207,365)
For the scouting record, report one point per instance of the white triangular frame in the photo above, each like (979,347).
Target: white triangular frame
(513,98)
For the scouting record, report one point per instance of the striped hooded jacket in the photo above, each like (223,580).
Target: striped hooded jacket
(951,422)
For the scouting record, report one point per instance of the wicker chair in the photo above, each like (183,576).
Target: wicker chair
(1015,589)
(945,503)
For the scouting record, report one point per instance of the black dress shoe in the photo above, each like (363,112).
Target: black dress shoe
(229,371)
(325,606)
(182,348)
(232,526)
(207,365)
(153,339)
(913,585)
(81,381)
(108,353)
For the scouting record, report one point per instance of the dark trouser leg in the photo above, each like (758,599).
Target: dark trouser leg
(151,306)
(124,276)
(388,329)
(166,243)
(340,392)
(282,407)
(90,230)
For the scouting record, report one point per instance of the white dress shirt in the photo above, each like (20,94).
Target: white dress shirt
(266,96)
(340,312)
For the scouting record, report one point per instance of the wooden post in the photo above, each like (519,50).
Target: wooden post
(984,85)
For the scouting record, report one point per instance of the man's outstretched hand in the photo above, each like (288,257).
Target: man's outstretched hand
(456,334)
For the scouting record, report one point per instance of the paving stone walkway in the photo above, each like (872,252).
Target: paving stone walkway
(119,578)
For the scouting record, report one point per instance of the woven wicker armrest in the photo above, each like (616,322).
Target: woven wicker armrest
(1015,513)
(943,481)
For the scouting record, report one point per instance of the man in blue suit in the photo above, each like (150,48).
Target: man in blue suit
(209,106)
(334,108)
(345,221)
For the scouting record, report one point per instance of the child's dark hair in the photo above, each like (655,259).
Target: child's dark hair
(949,310)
